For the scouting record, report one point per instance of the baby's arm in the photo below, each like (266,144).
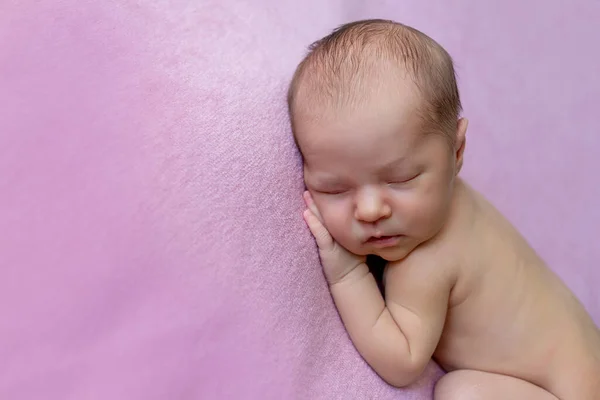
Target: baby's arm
(417,295)
(398,336)
(399,339)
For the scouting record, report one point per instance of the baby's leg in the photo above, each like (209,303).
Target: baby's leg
(477,385)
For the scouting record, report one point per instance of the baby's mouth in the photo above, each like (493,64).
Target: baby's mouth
(384,241)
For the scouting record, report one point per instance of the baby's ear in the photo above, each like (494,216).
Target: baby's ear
(461,141)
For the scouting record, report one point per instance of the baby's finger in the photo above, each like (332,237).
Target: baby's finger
(310,203)
(322,236)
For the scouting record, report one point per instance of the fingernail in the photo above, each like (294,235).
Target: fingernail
(305,215)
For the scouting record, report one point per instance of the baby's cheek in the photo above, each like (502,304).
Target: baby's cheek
(413,207)
(433,213)
(331,217)
(420,211)
(338,221)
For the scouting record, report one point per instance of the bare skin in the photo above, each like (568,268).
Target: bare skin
(509,314)
(462,285)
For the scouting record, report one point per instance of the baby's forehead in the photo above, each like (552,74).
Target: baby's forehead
(379,119)
(356,146)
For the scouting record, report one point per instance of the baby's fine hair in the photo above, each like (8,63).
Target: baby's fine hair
(339,66)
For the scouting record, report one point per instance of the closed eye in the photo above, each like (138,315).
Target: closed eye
(403,181)
(332,191)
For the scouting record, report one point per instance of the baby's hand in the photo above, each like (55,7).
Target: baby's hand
(337,261)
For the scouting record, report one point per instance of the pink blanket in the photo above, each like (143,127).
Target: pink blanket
(151,238)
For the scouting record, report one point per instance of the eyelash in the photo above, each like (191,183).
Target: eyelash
(332,192)
(393,182)
(399,182)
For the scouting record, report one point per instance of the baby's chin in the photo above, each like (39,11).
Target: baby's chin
(393,254)
(390,255)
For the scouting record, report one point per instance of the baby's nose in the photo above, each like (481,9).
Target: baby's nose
(371,205)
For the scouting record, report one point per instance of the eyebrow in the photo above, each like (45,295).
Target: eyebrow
(325,181)
(394,164)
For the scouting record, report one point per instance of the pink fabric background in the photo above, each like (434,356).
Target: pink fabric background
(151,239)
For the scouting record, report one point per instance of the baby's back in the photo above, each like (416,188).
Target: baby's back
(510,314)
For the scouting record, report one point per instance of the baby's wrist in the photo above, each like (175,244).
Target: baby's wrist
(350,275)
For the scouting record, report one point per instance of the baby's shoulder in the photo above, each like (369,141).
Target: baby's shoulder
(430,261)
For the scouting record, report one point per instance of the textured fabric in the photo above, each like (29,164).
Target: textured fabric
(151,238)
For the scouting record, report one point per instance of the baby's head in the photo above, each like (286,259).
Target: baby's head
(375,110)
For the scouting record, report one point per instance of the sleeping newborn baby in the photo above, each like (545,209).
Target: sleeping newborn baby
(375,112)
